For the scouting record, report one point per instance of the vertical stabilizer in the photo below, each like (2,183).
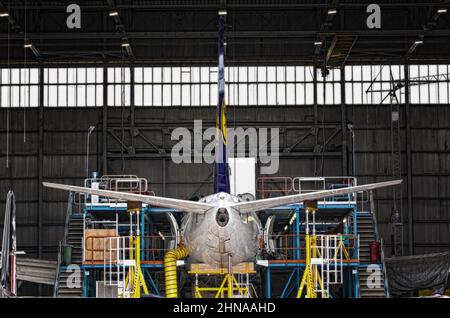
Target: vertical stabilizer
(221,174)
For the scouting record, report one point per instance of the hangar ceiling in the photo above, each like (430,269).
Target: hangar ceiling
(180,32)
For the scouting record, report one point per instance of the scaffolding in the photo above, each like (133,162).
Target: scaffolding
(235,281)
(133,256)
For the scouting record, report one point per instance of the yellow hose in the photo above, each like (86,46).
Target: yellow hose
(170,270)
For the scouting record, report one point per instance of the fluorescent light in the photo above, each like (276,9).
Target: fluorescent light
(4,14)
(417,42)
(318,43)
(28,45)
(332,11)
(125,44)
(161,235)
(222,12)
(442,10)
(114,13)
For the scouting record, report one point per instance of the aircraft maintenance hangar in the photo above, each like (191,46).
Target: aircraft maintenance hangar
(225,149)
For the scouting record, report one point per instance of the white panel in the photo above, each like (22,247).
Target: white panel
(242,175)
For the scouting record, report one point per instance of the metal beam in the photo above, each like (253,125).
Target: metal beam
(344,125)
(214,5)
(409,163)
(40,188)
(233,35)
(105,123)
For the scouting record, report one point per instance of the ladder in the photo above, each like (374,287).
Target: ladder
(330,252)
(117,265)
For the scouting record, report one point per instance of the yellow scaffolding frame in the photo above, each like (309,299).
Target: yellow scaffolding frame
(135,276)
(229,286)
(309,275)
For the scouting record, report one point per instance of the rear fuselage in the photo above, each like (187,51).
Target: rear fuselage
(221,232)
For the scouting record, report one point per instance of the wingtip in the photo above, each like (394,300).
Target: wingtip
(49,184)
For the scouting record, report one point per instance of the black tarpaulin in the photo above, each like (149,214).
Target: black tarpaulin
(409,273)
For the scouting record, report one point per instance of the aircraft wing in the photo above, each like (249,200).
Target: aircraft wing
(258,205)
(182,205)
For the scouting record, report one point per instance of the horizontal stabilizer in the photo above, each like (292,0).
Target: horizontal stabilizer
(182,205)
(258,205)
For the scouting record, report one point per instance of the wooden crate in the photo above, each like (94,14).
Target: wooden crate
(95,244)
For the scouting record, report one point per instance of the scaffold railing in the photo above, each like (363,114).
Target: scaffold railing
(122,269)
(273,186)
(118,258)
(120,183)
(311,184)
(267,187)
(292,246)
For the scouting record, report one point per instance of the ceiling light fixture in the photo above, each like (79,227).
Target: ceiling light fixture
(332,11)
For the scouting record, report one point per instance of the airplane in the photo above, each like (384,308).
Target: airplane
(222,228)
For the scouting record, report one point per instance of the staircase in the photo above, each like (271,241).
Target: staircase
(366,233)
(75,238)
(370,276)
(71,277)
(371,282)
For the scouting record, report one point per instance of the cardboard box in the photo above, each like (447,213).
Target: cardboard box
(95,240)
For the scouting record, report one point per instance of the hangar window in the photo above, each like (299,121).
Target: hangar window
(245,86)
(73,87)
(329,87)
(19,87)
(119,86)
(372,84)
(269,85)
(429,84)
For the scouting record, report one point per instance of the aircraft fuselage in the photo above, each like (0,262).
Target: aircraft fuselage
(221,232)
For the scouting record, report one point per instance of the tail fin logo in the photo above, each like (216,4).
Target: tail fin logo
(223,122)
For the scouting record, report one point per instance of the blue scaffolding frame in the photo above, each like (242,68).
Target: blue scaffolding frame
(350,277)
(350,281)
(147,268)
